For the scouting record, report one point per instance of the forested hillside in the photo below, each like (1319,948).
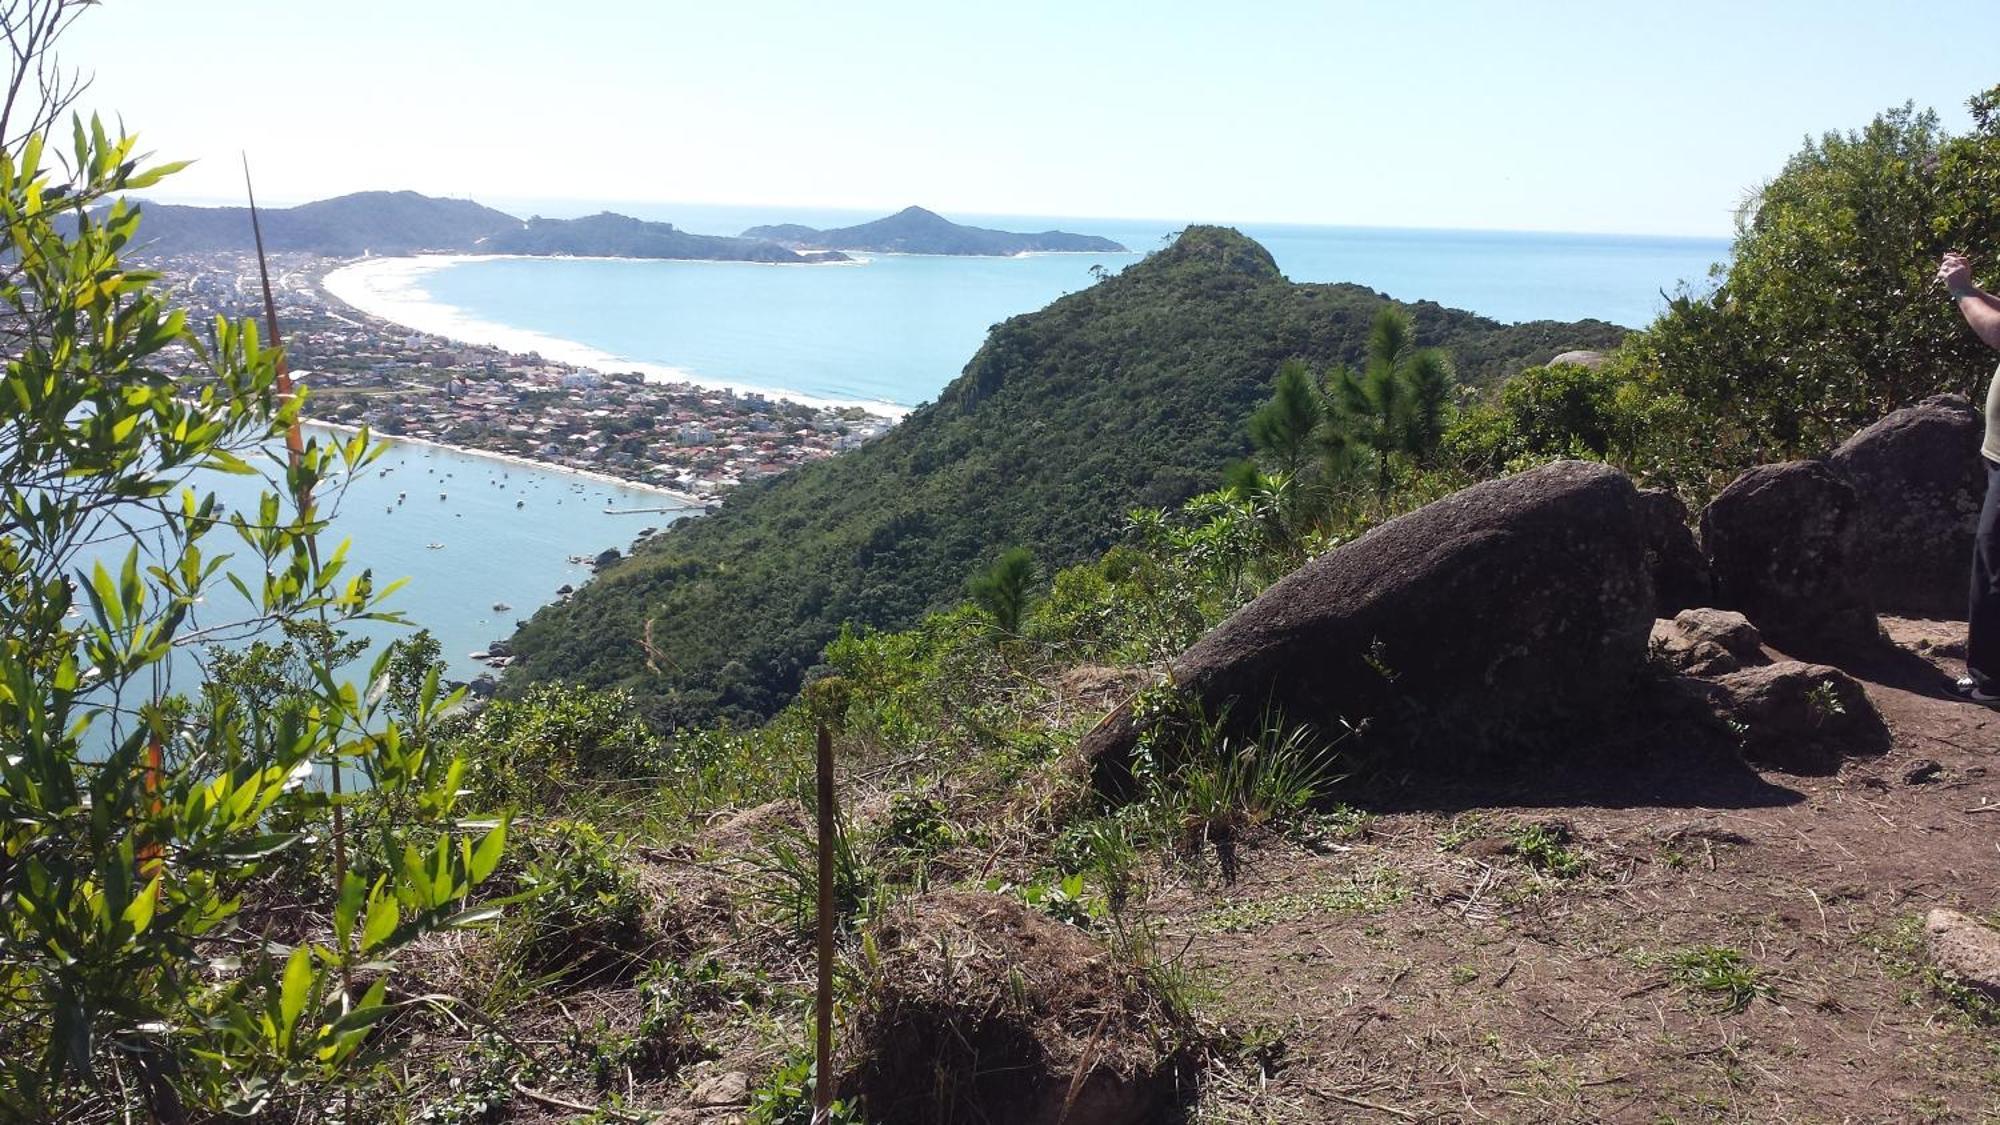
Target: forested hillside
(406,222)
(365,222)
(611,235)
(1132,392)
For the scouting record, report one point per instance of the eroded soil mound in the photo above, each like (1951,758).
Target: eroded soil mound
(980,1008)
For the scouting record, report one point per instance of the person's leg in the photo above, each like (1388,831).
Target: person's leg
(1982,633)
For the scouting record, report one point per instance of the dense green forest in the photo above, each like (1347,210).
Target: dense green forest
(1134,392)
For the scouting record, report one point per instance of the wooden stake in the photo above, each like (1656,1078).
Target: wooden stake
(823,1004)
(294,452)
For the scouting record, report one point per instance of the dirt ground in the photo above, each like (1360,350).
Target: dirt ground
(1732,944)
(1668,935)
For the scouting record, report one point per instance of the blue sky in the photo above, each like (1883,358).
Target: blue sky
(1653,118)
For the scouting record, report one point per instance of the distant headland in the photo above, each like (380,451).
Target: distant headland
(407,222)
(914,230)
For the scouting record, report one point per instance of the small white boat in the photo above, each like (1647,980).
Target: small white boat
(434,546)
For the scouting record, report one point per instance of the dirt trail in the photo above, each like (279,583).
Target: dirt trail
(1739,946)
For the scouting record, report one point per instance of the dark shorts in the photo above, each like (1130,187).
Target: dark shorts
(1982,640)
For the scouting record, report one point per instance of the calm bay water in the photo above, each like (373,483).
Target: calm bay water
(899,327)
(504,534)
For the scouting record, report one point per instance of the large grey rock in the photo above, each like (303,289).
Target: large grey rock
(1800,718)
(1779,547)
(980,1008)
(1963,947)
(1495,617)
(1727,629)
(1690,657)
(1708,642)
(1581,357)
(1918,483)
(1673,556)
(728,1088)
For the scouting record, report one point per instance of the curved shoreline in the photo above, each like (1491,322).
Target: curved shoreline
(388,288)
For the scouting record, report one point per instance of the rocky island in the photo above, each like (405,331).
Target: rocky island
(914,230)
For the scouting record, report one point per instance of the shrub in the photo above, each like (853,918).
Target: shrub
(141,828)
(584,920)
(1827,316)
(539,750)
(1004,589)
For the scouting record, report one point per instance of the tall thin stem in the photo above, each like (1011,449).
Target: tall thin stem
(823,1002)
(294,453)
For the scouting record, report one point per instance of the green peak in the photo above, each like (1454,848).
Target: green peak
(1225,248)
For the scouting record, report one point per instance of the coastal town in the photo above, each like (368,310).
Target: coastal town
(693,440)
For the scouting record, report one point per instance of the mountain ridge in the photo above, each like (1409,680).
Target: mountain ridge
(917,230)
(408,222)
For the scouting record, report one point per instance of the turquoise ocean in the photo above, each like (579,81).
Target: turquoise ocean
(893,330)
(899,327)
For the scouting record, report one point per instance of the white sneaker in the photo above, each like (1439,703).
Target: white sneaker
(1969,690)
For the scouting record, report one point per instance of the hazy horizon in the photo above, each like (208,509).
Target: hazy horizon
(674,210)
(1619,119)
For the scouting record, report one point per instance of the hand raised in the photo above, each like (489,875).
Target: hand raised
(1955,271)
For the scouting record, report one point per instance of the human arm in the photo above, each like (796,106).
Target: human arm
(1980,309)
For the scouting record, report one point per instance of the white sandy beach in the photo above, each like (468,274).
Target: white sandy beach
(392,289)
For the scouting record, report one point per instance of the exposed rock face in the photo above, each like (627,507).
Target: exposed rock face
(1801,718)
(1730,631)
(983,1009)
(1932,640)
(1967,950)
(1680,573)
(1918,484)
(1582,357)
(1708,642)
(1690,658)
(1779,546)
(1494,617)
(728,1088)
